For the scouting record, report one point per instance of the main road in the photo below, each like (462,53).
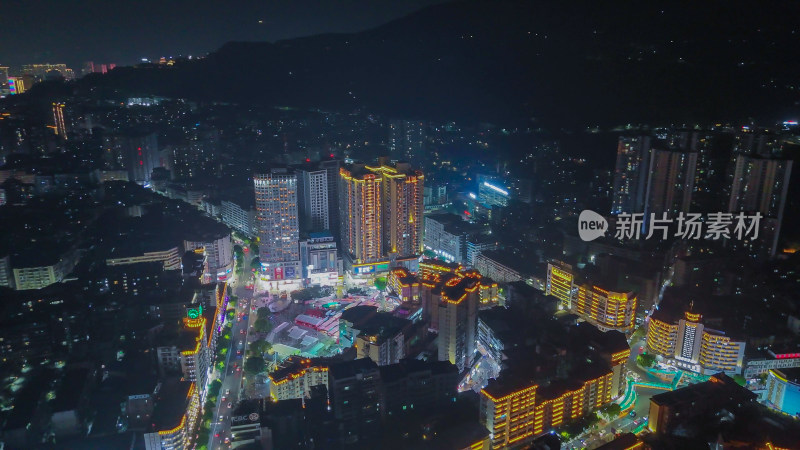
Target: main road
(233,372)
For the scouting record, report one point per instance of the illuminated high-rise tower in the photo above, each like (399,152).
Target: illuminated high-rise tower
(59,126)
(760,185)
(630,174)
(670,181)
(402,199)
(381,211)
(313,198)
(278,227)
(360,212)
(407,140)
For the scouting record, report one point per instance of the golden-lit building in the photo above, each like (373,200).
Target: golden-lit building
(381,211)
(295,377)
(607,310)
(59,126)
(691,345)
(430,267)
(436,274)
(458,321)
(530,397)
(175,431)
(402,202)
(559,284)
(405,284)
(360,213)
(514,413)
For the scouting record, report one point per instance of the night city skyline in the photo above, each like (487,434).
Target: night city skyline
(422,225)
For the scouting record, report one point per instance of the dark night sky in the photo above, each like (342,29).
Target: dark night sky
(123,32)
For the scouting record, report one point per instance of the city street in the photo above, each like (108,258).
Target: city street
(233,373)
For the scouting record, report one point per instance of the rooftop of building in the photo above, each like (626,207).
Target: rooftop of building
(404,276)
(383,325)
(394,372)
(508,259)
(718,386)
(454,224)
(349,369)
(172,398)
(790,375)
(175,334)
(456,289)
(581,355)
(623,442)
(358,314)
(68,394)
(295,364)
(439,266)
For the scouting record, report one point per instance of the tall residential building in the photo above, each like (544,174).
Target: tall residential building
(560,283)
(59,126)
(761,185)
(6,275)
(278,226)
(360,199)
(136,152)
(458,321)
(355,397)
(313,189)
(605,309)
(407,140)
(670,181)
(630,174)
(382,211)
(332,167)
(403,208)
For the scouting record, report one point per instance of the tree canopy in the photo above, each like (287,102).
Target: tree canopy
(254,365)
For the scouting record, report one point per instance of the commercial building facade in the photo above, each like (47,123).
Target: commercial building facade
(783,390)
(692,346)
(278,225)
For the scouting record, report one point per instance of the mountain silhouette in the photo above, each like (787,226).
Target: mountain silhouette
(556,63)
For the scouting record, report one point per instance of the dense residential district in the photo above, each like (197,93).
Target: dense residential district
(201,275)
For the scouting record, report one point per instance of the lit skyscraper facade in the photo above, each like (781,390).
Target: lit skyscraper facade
(630,174)
(407,140)
(402,208)
(332,167)
(760,185)
(670,181)
(313,191)
(59,126)
(278,227)
(360,199)
(381,209)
